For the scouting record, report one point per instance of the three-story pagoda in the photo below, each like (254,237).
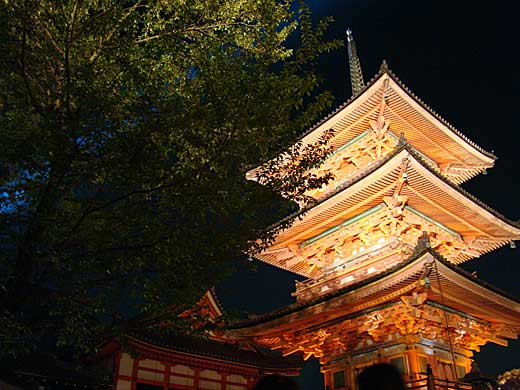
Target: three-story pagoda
(381,245)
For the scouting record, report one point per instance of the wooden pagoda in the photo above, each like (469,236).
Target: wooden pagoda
(381,245)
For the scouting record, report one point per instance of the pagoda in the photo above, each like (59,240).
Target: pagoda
(381,245)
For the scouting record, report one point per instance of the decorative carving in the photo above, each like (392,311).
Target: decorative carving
(354,157)
(353,243)
(412,316)
(379,129)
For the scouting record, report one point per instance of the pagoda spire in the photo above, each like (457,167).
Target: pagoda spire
(356,75)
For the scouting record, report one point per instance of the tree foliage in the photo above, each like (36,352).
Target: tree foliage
(127,129)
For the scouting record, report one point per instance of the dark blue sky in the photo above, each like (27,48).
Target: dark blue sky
(463,61)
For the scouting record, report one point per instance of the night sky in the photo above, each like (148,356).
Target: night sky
(462,60)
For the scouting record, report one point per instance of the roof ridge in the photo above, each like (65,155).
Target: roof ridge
(462,191)
(340,106)
(384,69)
(419,250)
(225,350)
(356,178)
(213,293)
(301,305)
(438,116)
(473,278)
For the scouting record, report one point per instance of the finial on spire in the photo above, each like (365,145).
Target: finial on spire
(384,67)
(356,76)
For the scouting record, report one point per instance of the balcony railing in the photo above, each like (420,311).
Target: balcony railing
(432,383)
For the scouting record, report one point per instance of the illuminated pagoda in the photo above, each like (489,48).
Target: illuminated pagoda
(381,245)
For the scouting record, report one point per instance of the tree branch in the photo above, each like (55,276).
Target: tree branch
(87,213)
(24,70)
(68,44)
(194,28)
(109,36)
(51,39)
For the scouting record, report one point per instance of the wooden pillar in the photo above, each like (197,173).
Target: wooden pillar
(135,369)
(196,377)
(223,377)
(380,353)
(352,375)
(125,366)
(326,379)
(167,373)
(413,364)
(251,381)
(117,363)
(434,363)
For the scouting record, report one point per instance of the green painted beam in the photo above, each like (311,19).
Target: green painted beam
(343,224)
(438,224)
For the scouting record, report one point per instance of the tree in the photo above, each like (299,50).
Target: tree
(127,129)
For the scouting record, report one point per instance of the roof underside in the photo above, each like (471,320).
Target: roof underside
(212,349)
(426,191)
(423,128)
(460,292)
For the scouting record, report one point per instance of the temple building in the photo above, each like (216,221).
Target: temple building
(381,245)
(144,362)
(147,361)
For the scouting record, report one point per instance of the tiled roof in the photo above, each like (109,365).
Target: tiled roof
(215,297)
(295,307)
(419,251)
(378,164)
(462,191)
(352,180)
(385,70)
(436,115)
(259,357)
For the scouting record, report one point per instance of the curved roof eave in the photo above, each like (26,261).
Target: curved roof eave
(421,250)
(435,117)
(379,164)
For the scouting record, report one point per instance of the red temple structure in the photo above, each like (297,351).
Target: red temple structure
(381,244)
(189,362)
